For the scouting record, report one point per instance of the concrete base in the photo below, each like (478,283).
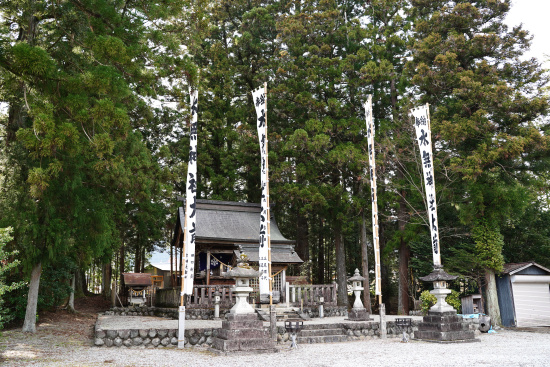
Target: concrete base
(243,333)
(444,327)
(359,315)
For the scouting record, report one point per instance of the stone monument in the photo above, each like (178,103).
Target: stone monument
(358,311)
(242,331)
(442,324)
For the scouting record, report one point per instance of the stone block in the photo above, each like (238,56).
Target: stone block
(174,340)
(108,342)
(117,342)
(193,340)
(146,341)
(137,340)
(165,341)
(247,324)
(134,333)
(152,333)
(99,342)
(162,333)
(155,342)
(127,343)
(111,334)
(124,334)
(243,333)
(100,334)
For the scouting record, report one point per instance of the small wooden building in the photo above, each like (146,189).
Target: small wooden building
(524,295)
(226,229)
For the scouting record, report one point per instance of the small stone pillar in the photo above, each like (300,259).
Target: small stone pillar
(383,329)
(442,324)
(217,299)
(243,331)
(321,307)
(358,312)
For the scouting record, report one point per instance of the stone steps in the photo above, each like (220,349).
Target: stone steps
(320,332)
(322,339)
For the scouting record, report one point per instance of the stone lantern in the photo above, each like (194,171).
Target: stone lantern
(242,275)
(358,312)
(442,324)
(439,278)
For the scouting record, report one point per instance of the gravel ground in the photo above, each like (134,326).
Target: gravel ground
(505,348)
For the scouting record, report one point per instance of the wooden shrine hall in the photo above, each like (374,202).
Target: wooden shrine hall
(225,229)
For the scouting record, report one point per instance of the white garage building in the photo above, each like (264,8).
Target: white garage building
(524,295)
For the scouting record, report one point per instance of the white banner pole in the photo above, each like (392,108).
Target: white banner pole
(374,197)
(422,128)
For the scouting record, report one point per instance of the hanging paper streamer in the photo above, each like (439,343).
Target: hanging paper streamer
(374,200)
(260,102)
(191,198)
(421,117)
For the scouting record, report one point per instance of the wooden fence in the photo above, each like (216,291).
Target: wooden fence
(308,295)
(203,296)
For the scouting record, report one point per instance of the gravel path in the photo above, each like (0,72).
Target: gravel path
(506,348)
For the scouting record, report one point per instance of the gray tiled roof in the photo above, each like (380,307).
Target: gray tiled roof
(231,221)
(279,253)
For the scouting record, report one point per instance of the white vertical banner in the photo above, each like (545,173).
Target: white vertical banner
(421,117)
(260,103)
(191,198)
(374,200)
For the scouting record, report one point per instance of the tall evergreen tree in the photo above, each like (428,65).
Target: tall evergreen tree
(76,78)
(485,105)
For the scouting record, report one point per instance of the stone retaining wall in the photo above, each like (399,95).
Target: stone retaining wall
(168,338)
(153,338)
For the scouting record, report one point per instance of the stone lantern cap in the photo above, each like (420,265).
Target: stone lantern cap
(437,275)
(242,270)
(356,277)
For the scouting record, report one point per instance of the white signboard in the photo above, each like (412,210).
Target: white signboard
(260,102)
(191,199)
(374,201)
(421,117)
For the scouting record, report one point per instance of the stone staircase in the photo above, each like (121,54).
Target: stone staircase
(322,333)
(283,313)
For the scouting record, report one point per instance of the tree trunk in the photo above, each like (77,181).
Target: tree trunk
(142,260)
(302,243)
(321,255)
(404,255)
(492,308)
(137,260)
(365,265)
(106,280)
(122,286)
(29,325)
(70,305)
(341,267)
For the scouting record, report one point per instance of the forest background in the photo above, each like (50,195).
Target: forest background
(94,139)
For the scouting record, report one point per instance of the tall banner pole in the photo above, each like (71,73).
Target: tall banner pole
(374,197)
(190,216)
(259,97)
(421,116)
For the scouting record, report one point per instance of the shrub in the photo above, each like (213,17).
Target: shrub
(428,300)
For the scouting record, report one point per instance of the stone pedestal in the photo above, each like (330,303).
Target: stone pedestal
(444,327)
(360,314)
(243,333)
